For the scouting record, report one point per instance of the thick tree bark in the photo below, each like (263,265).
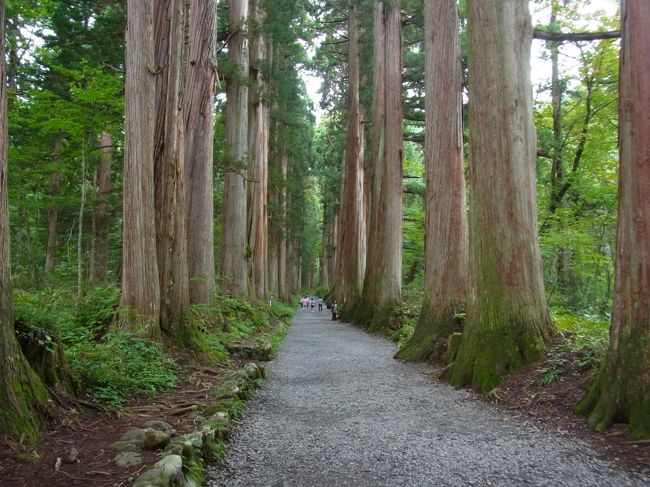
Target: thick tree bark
(169,167)
(140,281)
(621,389)
(381,302)
(21,392)
(53,217)
(101,221)
(234,245)
(352,244)
(199,126)
(258,157)
(446,232)
(507,322)
(283,281)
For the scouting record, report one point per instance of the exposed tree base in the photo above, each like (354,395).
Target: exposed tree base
(46,359)
(191,337)
(23,401)
(429,342)
(386,318)
(484,358)
(615,397)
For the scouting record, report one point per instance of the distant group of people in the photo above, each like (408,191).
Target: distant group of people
(310,302)
(307,302)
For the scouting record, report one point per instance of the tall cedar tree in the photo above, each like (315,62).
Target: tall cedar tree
(383,278)
(169,170)
(101,222)
(140,282)
(446,233)
(235,250)
(199,123)
(352,244)
(507,322)
(258,152)
(621,389)
(22,394)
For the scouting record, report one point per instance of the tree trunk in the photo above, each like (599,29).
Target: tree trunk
(507,322)
(381,303)
(235,251)
(80,233)
(327,244)
(274,217)
(169,168)
(352,243)
(621,389)
(283,282)
(199,127)
(258,157)
(446,233)
(22,394)
(101,220)
(53,217)
(140,281)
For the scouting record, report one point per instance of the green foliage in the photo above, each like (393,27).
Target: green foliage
(122,365)
(586,334)
(551,371)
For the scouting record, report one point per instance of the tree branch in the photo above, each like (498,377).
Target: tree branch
(575,36)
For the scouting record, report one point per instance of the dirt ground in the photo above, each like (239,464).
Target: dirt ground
(92,433)
(523,395)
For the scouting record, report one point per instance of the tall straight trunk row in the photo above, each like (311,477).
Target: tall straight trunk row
(381,297)
(352,243)
(155,276)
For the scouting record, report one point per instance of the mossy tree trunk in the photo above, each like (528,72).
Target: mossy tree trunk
(507,322)
(140,302)
(621,389)
(446,233)
(258,151)
(22,394)
(352,242)
(381,300)
(234,245)
(169,168)
(199,127)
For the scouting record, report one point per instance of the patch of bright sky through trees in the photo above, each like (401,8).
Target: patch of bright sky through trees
(540,63)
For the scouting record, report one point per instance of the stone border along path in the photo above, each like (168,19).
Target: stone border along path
(338,410)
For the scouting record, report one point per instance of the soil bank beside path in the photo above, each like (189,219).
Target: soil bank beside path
(338,410)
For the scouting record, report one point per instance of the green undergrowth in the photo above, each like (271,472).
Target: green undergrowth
(411,306)
(111,365)
(586,335)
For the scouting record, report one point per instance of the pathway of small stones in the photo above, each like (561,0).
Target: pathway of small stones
(338,410)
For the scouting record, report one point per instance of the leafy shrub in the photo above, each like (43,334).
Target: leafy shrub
(122,365)
(586,334)
(97,307)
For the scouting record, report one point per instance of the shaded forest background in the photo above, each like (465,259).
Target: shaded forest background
(66,75)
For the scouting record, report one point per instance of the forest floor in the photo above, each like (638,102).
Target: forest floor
(528,395)
(337,409)
(337,376)
(92,434)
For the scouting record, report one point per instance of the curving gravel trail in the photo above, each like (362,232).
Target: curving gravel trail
(338,410)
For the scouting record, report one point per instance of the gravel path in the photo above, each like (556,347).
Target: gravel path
(337,410)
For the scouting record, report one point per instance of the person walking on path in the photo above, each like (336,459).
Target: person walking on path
(335,311)
(313,303)
(320,304)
